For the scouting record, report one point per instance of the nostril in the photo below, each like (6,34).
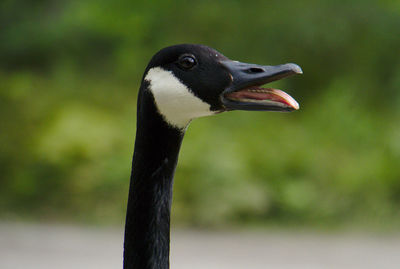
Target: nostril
(255,70)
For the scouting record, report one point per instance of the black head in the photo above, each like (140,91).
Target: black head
(189,81)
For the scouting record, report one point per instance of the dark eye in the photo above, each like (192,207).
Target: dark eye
(187,62)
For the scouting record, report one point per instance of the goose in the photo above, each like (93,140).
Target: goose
(181,83)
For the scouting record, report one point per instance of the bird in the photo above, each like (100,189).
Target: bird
(180,83)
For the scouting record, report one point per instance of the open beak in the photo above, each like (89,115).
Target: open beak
(246,93)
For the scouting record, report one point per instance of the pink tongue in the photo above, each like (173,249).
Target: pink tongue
(254,95)
(266,94)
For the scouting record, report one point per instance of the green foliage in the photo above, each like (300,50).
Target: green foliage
(69,75)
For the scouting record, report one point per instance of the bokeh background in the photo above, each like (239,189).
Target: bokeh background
(69,77)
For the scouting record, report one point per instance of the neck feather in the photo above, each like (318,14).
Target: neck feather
(147,229)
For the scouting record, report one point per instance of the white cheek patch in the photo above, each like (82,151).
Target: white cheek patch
(174,101)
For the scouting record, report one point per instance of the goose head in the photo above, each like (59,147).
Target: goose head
(189,81)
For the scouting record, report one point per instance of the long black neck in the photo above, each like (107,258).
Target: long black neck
(147,228)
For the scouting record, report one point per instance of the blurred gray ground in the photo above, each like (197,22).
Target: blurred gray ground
(44,246)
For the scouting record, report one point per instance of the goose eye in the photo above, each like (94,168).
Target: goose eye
(187,62)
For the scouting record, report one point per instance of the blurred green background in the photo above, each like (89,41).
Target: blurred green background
(69,76)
